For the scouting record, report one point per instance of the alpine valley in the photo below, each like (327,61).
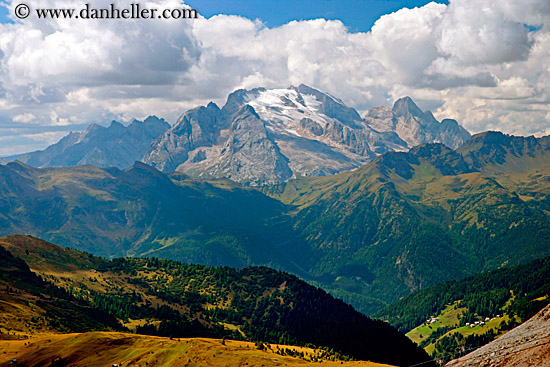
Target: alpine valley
(403,221)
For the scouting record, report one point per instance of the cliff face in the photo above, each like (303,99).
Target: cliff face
(249,154)
(196,128)
(415,126)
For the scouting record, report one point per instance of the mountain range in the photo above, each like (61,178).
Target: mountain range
(114,146)
(260,136)
(402,222)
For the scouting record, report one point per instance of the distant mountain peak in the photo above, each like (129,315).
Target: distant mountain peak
(114,146)
(494,148)
(449,122)
(212,105)
(17,165)
(140,166)
(246,111)
(154,120)
(115,124)
(490,136)
(93,127)
(306,89)
(406,105)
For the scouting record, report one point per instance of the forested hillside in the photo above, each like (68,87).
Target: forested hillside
(409,220)
(500,299)
(169,298)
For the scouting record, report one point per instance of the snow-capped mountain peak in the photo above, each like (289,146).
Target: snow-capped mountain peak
(266,136)
(285,108)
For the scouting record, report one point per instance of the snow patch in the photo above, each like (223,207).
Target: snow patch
(285,108)
(293,132)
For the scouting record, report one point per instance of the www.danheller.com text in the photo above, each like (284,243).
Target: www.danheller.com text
(134,11)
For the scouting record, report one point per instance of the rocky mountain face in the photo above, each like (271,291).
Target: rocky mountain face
(266,136)
(249,154)
(211,143)
(526,345)
(415,126)
(259,137)
(197,127)
(114,146)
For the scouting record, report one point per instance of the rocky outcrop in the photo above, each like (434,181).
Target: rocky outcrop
(197,127)
(249,155)
(415,126)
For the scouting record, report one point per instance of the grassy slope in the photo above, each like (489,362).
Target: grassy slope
(30,306)
(488,291)
(413,220)
(450,317)
(105,349)
(506,296)
(26,312)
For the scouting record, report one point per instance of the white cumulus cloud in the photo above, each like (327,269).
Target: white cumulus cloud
(482,62)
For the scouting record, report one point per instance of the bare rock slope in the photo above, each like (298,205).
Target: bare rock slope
(526,345)
(114,146)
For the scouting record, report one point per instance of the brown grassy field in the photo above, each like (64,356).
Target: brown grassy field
(108,348)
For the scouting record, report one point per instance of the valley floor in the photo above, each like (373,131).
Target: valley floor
(108,348)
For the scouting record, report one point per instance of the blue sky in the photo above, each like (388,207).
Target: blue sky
(358,15)
(4,15)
